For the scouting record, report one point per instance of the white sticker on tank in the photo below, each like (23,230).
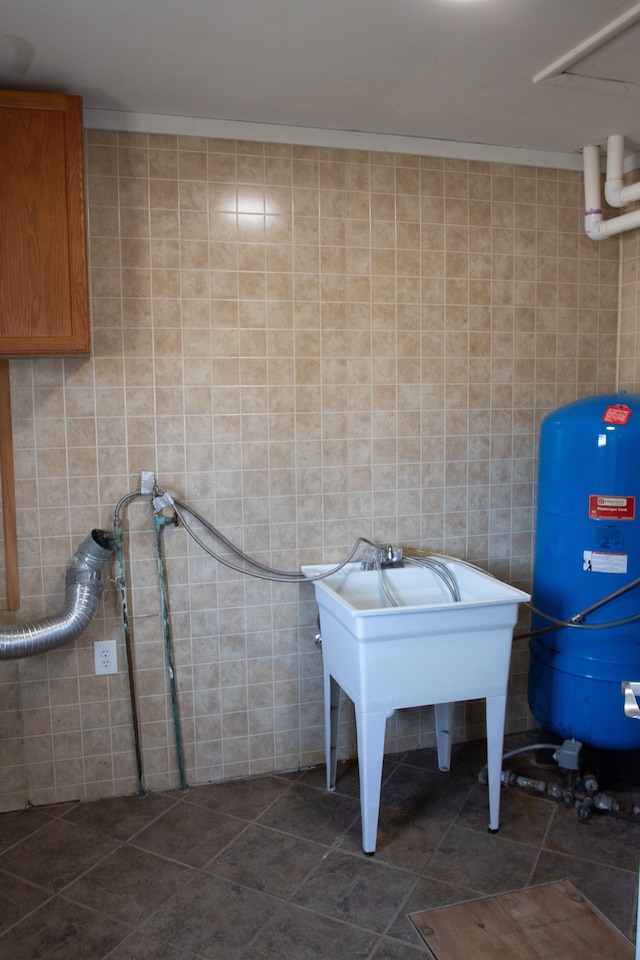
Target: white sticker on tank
(597,562)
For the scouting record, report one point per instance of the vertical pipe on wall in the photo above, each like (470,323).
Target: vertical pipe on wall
(159,523)
(117,536)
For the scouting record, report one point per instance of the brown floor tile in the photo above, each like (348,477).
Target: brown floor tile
(605,838)
(523,817)
(404,840)
(130,884)
(60,930)
(424,793)
(212,918)
(356,890)
(139,946)
(17,898)
(57,854)
(297,934)
(245,799)
(14,827)
(482,862)
(120,817)
(273,867)
(312,814)
(191,836)
(267,860)
(395,950)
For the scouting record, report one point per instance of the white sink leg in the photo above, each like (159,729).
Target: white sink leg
(444,723)
(496,710)
(371,730)
(331,726)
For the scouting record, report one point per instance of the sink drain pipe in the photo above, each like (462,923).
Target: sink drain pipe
(83,590)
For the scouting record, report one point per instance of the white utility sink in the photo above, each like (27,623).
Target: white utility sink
(426,650)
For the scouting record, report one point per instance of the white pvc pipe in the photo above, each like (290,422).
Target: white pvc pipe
(610,228)
(591,161)
(596,227)
(630,194)
(615,194)
(615,157)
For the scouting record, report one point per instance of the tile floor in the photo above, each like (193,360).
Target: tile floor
(272,867)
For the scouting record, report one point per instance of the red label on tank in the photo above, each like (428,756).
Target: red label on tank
(612,508)
(619,413)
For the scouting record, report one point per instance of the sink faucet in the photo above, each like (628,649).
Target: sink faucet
(385,555)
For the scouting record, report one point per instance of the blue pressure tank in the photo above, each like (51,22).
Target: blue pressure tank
(587,549)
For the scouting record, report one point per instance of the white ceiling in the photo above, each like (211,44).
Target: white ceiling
(445,70)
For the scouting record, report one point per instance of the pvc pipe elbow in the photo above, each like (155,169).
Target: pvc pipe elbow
(617,195)
(613,192)
(593,226)
(597,228)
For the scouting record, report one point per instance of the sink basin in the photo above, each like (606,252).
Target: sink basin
(425,649)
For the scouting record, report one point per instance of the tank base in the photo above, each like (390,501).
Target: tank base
(580,708)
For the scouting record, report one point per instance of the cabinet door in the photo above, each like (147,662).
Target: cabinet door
(44,297)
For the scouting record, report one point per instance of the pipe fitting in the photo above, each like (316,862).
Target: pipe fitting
(95,550)
(596,227)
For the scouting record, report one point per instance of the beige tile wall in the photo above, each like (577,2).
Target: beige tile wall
(629,343)
(308,346)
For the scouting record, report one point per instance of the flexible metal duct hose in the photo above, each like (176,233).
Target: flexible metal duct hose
(82,593)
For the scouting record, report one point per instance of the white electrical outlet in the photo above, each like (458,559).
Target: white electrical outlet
(105,657)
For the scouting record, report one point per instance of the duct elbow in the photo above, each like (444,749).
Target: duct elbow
(83,591)
(95,550)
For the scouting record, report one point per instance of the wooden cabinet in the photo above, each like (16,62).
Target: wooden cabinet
(44,294)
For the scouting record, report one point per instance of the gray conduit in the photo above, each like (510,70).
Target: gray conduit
(82,593)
